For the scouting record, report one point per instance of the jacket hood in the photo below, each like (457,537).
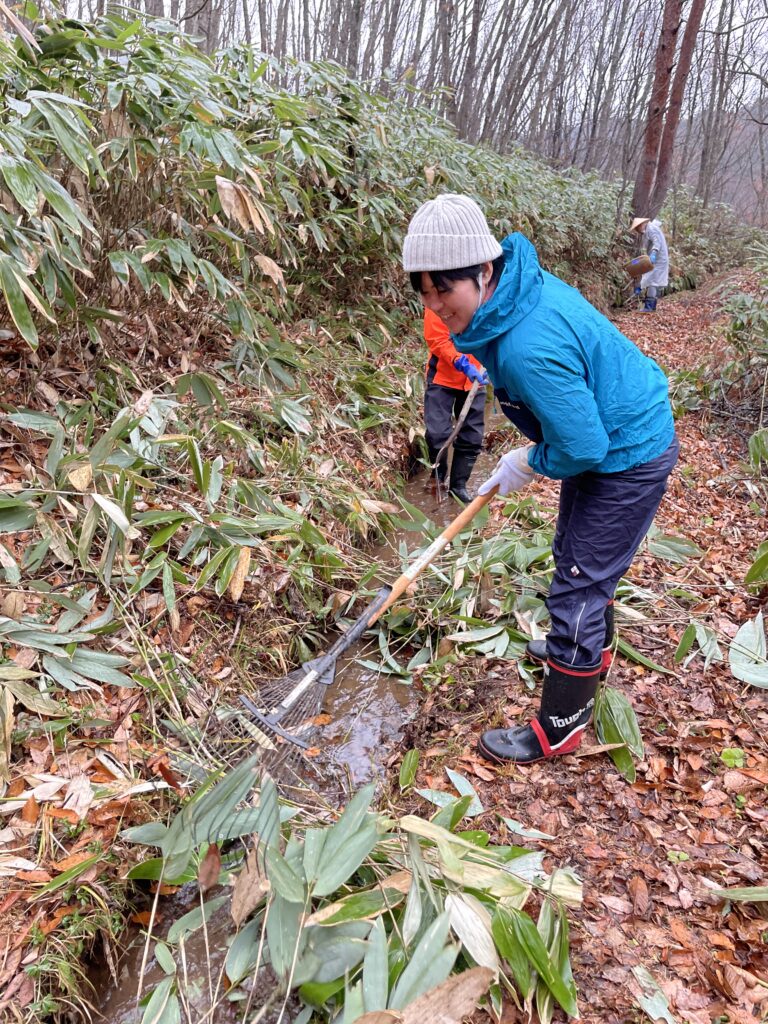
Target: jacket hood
(517,293)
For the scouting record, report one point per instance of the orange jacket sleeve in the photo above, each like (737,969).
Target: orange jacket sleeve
(438,338)
(440,368)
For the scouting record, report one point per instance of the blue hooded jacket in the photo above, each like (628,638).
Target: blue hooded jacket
(564,375)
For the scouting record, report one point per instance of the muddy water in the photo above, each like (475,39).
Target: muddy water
(368,710)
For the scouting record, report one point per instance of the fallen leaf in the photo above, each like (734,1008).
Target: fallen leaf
(237,582)
(616,904)
(144,917)
(451,1001)
(30,811)
(210,868)
(250,888)
(62,813)
(58,916)
(38,875)
(72,861)
(638,890)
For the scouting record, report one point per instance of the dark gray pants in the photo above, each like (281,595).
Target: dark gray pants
(441,409)
(602,521)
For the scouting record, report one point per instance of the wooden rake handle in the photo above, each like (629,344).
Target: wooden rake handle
(464,518)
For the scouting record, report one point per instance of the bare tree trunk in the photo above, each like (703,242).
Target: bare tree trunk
(265,31)
(247,23)
(666,146)
(665,59)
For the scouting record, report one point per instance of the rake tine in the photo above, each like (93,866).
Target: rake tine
(271,726)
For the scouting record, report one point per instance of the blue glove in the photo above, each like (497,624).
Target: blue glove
(638,289)
(653,257)
(470,370)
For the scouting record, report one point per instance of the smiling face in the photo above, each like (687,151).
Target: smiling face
(457,304)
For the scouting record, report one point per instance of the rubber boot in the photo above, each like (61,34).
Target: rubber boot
(567,700)
(649,306)
(536,650)
(461,469)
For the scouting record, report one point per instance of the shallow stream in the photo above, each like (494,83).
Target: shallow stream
(368,711)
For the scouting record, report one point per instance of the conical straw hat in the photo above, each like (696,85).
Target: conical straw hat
(638,222)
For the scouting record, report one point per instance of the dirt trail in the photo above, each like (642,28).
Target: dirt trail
(650,853)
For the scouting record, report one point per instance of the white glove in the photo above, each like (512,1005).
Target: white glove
(511,473)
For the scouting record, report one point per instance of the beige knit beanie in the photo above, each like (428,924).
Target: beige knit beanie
(447,233)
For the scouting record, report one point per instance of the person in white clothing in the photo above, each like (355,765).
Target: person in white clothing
(657,277)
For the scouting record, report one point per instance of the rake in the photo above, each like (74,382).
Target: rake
(280,717)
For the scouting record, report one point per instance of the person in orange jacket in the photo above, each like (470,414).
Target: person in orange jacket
(449,375)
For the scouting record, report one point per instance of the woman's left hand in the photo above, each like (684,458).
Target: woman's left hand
(512,472)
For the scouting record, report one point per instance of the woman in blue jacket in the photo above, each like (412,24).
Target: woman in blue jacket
(597,415)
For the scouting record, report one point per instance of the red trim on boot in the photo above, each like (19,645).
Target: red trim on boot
(573,671)
(565,746)
(541,736)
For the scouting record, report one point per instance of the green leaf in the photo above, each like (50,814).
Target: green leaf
(283,878)
(686,642)
(517,828)
(430,964)
(732,757)
(318,995)
(163,1006)
(747,653)
(452,811)
(285,937)
(190,922)
(652,1001)
(332,953)
(354,822)
(15,301)
(151,834)
(339,867)
(439,797)
(20,180)
(408,769)
(244,951)
(626,648)
(465,788)
(674,549)
(376,969)
(510,947)
(164,958)
(117,515)
(530,941)
(63,880)
(758,571)
(87,532)
(359,906)
(31,698)
(615,722)
(747,894)
(152,870)
(169,589)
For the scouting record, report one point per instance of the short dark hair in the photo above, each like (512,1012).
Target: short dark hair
(444,279)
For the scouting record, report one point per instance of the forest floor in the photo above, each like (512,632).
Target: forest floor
(649,854)
(696,818)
